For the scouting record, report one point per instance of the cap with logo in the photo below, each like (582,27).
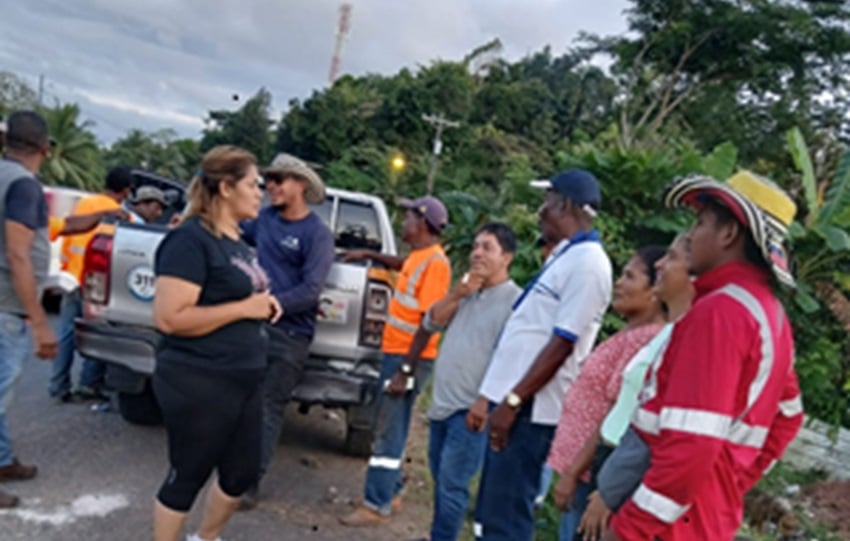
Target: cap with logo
(430,208)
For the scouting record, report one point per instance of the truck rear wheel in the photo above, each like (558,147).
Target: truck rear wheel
(358,442)
(359,430)
(141,408)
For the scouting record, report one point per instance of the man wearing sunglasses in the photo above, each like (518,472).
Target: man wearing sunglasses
(24,262)
(296,249)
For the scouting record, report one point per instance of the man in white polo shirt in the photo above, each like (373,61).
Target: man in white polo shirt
(547,337)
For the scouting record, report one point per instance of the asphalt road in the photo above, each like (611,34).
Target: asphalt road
(98,475)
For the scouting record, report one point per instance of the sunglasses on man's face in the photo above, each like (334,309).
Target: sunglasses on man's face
(273,179)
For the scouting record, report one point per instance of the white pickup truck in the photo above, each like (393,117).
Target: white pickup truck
(342,371)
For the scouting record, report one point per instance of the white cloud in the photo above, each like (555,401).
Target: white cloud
(166,63)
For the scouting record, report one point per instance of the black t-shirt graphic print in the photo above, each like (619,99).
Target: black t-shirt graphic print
(226,270)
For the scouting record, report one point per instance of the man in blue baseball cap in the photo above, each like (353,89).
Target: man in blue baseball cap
(543,344)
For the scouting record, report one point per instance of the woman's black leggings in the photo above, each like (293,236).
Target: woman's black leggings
(214,422)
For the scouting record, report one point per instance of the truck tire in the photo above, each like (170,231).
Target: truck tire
(140,409)
(358,442)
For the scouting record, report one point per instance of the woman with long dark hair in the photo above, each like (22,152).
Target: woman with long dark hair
(595,390)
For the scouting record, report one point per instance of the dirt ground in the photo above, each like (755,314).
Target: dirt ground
(830,502)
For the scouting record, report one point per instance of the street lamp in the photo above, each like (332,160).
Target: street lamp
(398,163)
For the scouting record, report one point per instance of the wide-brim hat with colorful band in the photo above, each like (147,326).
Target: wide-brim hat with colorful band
(759,204)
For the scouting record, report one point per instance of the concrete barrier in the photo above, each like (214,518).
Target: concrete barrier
(814,449)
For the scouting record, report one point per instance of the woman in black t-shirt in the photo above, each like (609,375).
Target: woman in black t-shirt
(211,300)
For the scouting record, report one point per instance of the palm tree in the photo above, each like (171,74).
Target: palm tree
(75,160)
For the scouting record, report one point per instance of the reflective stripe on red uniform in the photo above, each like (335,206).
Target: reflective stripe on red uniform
(721,407)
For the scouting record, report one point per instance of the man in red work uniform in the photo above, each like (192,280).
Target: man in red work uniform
(724,402)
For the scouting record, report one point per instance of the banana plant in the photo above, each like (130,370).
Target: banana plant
(820,240)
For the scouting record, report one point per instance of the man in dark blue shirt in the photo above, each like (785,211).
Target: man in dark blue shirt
(296,249)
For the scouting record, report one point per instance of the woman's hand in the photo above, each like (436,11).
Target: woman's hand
(261,306)
(594,522)
(277,309)
(565,491)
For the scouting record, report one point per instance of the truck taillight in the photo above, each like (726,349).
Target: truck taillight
(377,302)
(96,266)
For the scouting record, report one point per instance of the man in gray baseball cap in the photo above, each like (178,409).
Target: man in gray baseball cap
(430,209)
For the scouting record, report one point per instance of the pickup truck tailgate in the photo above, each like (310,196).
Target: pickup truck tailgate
(349,305)
(131,275)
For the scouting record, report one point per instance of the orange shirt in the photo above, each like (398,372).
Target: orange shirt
(55,225)
(74,246)
(424,279)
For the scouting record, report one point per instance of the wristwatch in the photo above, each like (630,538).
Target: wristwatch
(406,369)
(513,400)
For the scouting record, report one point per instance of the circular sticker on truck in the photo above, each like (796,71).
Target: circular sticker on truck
(141,282)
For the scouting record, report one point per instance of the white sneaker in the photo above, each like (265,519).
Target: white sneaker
(196,537)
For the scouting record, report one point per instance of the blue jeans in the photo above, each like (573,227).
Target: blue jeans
(511,480)
(15,348)
(93,372)
(572,518)
(454,453)
(545,483)
(392,423)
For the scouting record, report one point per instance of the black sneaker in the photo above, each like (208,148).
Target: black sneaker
(62,398)
(90,393)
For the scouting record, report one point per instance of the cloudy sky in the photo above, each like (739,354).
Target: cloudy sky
(164,63)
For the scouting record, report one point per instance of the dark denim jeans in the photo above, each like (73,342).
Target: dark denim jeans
(392,423)
(510,482)
(287,353)
(93,372)
(455,454)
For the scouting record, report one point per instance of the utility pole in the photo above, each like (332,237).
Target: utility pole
(440,122)
(41,89)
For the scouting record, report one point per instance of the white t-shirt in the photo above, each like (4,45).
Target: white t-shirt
(569,298)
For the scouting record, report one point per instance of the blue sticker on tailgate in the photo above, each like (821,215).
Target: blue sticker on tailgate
(141,282)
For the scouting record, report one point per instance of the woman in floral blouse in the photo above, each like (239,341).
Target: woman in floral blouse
(593,394)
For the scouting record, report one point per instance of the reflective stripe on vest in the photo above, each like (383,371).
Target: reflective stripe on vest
(701,423)
(712,424)
(791,407)
(408,298)
(401,325)
(658,504)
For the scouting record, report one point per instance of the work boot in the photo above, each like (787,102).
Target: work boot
(363,516)
(8,501)
(17,471)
